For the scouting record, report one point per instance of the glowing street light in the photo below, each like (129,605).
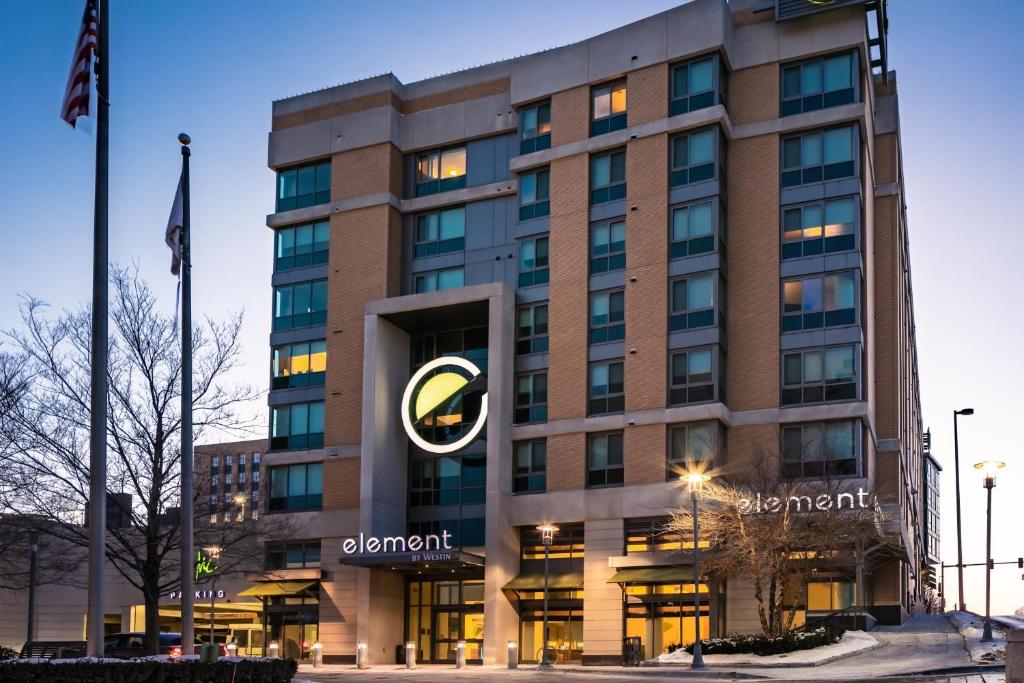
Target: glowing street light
(695,481)
(988,468)
(547,536)
(213,552)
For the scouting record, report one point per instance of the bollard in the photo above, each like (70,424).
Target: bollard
(1015,656)
(318,655)
(460,654)
(232,649)
(274,649)
(513,656)
(410,655)
(361,662)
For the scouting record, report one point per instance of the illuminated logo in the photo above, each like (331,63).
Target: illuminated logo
(444,407)
(204,565)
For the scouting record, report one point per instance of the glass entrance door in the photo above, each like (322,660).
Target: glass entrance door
(451,626)
(440,613)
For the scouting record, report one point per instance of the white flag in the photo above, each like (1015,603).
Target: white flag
(175,224)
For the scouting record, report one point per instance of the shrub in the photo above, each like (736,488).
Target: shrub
(7,653)
(762,645)
(149,671)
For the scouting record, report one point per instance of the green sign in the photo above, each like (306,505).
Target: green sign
(204,565)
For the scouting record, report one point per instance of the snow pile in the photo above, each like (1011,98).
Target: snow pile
(852,641)
(971,627)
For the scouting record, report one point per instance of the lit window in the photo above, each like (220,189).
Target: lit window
(816,302)
(608,108)
(440,171)
(819,228)
(299,365)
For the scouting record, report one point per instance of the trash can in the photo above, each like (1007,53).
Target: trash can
(632,651)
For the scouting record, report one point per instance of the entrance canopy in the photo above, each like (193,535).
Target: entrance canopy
(676,574)
(535,582)
(277,588)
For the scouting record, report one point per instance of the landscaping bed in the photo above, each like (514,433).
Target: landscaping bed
(812,649)
(149,670)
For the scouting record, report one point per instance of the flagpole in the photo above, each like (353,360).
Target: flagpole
(98,412)
(187,584)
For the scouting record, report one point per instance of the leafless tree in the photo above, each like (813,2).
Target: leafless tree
(46,462)
(778,531)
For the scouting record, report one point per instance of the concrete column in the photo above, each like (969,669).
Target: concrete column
(1015,656)
(602,601)
(381,614)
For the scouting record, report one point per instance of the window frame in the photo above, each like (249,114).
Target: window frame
(536,274)
(297,440)
(537,342)
(541,205)
(809,174)
(311,502)
(682,174)
(610,402)
(426,275)
(311,317)
(321,193)
(294,380)
(709,244)
(682,104)
(809,389)
(435,184)
(425,248)
(282,547)
(615,470)
(676,465)
(534,475)
(613,329)
(613,120)
(614,189)
(809,473)
(679,393)
(536,405)
(847,241)
(318,253)
(806,320)
(801,102)
(542,139)
(609,261)
(684,319)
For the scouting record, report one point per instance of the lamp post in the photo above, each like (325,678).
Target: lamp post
(240,501)
(959,535)
(989,468)
(213,552)
(547,535)
(695,487)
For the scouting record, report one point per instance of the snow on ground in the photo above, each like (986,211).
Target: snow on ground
(1010,622)
(852,641)
(971,627)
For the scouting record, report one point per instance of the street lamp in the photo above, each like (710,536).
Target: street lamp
(959,535)
(547,535)
(989,468)
(240,501)
(695,487)
(213,552)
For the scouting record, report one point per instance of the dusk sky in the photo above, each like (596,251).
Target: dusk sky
(213,69)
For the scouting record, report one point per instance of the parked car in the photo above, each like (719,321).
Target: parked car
(129,645)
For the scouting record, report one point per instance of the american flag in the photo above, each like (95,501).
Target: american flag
(76,98)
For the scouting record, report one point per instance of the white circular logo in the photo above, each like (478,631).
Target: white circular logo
(439,400)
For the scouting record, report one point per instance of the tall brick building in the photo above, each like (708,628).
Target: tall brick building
(681,240)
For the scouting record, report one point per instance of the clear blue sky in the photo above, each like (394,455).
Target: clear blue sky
(213,69)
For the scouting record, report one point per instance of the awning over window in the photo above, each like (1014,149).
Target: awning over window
(653,575)
(535,582)
(277,588)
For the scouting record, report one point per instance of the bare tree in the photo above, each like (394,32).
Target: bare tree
(777,531)
(46,464)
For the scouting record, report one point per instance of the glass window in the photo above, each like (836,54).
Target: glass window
(299,365)
(304,186)
(606,389)
(533,261)
(440,170)
(693,157)
(300,305)
(436,280)
(448,480)
(819,375)
(692,379)
(821,301)
(608,108)
(534,200)
(820,449)
(690,444)
(604,460)
(531,397)
(301,245)
(607,316)
(532,329)
(693,302)
(607,177)
(530,468)
(440,232)
(693,86)
(607,246)
(819,228)
(296,488)
(297,425)
(535,127)
(818,83)
(693,230)
(818,156)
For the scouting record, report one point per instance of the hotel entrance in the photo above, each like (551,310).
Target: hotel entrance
(441,611)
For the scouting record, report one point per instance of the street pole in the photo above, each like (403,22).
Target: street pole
(98,359)
(187,582)
(32,569)
(959,533)
(698,657)
(547,532)
(986,636)
(213,605)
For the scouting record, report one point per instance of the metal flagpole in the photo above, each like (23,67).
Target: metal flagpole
(98,408)
(187,582)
